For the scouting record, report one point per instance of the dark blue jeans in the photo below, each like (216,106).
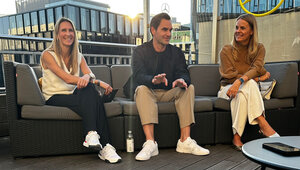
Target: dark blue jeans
(87,103)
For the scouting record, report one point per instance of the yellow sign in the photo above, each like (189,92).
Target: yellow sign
(259,15)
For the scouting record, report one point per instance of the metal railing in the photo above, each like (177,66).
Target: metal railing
(33,57)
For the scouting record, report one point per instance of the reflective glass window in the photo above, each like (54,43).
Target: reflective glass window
(103,21)
(141,26)
(27,23)
(262,5)
(120,24)
(12,25)
(95,26)
(4,25)
(112,23)
(58,13)
(135,27)
(50,19)
(127,26)
(297,3)
(85,19)
(34,22)
(227,6)
(20,27)
(42,19)
(73,14)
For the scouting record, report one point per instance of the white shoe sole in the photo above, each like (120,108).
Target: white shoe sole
(184,151)
(109,161)
(155,153)
(96,147)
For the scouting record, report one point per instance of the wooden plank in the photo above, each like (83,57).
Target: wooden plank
(221,157)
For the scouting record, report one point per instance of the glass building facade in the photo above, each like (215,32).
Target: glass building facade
(231,8)
(91,25)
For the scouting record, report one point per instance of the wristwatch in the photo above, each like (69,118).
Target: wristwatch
(242,80)
(92,76)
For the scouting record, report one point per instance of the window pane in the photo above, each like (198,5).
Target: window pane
(58,13)
(20,25)
(135,27)
(103,20)
(5,25)
(83,18)
(27,23)
(34,22)
(95,21)
(12,25)
(73,14)
(120,22)
(42,18)
(112,23)
(141,26)
(127,26)
(50,19)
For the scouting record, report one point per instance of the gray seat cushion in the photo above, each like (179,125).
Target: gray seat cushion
(63,113)
(273,103)
(28,91)
(203,104)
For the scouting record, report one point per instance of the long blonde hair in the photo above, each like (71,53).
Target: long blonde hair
(253,42)
(55,46)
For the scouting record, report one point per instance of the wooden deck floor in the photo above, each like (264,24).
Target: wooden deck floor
(221,157)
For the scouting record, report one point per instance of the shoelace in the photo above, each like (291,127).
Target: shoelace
(147,148)
(193,144)
(110,151)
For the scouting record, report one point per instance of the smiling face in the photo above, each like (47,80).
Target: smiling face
(66,34)
(243,32)
(162,35)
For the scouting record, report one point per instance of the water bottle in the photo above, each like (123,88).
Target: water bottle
(130,142)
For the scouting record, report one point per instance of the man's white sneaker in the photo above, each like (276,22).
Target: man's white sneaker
(109,154)
(150,148)
(92,140)
(191,146)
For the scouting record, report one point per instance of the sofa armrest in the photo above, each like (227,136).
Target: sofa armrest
(11,90)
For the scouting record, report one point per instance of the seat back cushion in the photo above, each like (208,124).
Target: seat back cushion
(205,78)
(28,91)
(101,72)
(120,75)
(286,76)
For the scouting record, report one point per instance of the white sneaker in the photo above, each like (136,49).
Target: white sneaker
(109,154)
(150,148)
(191,146)
(92,140)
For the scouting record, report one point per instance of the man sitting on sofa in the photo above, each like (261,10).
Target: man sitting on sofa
(160,71)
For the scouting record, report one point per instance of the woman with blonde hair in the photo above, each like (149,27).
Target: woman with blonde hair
(241,67)
(62,86)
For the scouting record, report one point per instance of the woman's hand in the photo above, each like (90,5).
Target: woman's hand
(233,90)
(83,81)
(265,76)
(107,87)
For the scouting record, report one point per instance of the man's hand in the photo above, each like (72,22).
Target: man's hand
(160,78)
(179,83)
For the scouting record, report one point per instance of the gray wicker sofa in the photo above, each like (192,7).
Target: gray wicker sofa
(36,129)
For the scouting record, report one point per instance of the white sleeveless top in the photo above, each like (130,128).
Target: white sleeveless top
(52,84)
